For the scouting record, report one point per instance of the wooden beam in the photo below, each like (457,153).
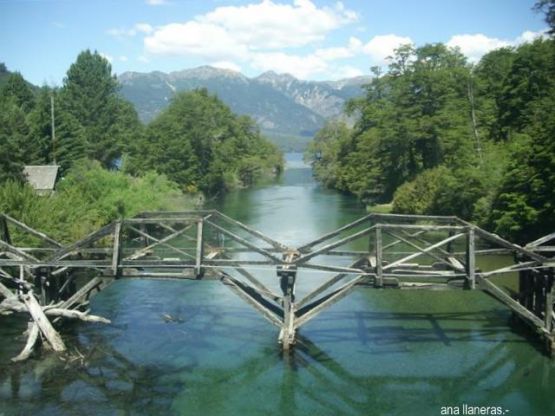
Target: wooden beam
(177,250)
(43,323)
(143,251)
(334,233)
(92,237)
(116,255)
(14,250)
(304,258)
(423,251)
(379,257)
(331,282)
(199,271)
(245,242)
(503,297)
(471,259)
(32,231)
(310,311)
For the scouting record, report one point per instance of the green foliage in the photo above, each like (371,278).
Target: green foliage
(18,90)
(88,198)
(200,144)
(441,137)
(89,95)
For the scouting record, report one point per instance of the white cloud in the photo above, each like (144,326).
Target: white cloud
(226,65)
(143,59)
(123,58)
(352,49)
(382,46)
(156,2)
(253,27)
(195,38)
(477,45)
(135,30)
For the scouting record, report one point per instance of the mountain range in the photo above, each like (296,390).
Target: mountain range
(287,109)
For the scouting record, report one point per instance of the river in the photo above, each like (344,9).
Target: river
(376,352)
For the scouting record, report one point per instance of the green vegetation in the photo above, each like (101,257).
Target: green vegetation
(196,144)
(199,143)
(436,135)
(87,198)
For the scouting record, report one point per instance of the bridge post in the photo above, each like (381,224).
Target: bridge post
(379,257)
(287,279)
(470,259)
(199,270)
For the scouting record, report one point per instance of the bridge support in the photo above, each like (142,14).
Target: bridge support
(287,278)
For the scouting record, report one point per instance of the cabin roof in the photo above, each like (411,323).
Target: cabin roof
(41,177)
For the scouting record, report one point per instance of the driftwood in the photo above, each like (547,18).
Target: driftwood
(40,325)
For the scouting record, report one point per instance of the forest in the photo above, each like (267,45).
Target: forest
(436,134)
(110,163)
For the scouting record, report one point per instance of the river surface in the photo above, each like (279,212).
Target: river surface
(376,352)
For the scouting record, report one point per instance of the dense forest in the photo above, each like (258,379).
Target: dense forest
(437,135)
(110,163)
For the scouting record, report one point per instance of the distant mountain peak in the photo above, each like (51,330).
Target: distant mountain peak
(206,72)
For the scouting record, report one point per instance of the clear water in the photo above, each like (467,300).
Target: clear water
(373,353)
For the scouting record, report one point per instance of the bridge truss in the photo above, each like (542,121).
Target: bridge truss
(50,280)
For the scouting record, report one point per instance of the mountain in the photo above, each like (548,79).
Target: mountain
(284,107)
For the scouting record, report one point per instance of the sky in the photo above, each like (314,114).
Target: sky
(310,39)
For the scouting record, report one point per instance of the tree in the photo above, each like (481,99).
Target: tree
(548,7)
(17,89)
(89,94)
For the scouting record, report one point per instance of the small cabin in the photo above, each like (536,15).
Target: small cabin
(42,177)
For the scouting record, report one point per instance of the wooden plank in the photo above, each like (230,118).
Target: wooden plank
(82,293)
(92,237)
(502,242)
(304,258)
(237,287)
(177,250)
(424,251)
(143,251)
(116,248)
(199,250)
(471,259)
(540,241)
(379,257)
(43,323)
(510,302)
(316,307)
(334,233)
(159,220)
(258,234)
(245,242)
(32,231)
(331,282)
(425,227)
(401,217)
(4,291)
(14,250)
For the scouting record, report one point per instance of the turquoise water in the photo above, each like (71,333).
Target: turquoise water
(373,353)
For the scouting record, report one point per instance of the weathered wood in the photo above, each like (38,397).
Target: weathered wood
(470,259)
(158,220)
(29,230)
(244,242)
(540,241)
(258,234)
(304,258)
(238,288)
(334,233)
(92,237)
(424,251)
(116,249)
(32,339)
(199,271)
(82,293)
(46,328)
(17,252)
(502,242)
(177,250)
(331,282)
(4,291)
(312,310)
(145,250)
(404,217)
(379,257)
(510,302)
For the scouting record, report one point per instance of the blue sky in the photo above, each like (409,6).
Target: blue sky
(311,39)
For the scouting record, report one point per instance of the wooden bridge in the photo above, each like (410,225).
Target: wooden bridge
(51,281)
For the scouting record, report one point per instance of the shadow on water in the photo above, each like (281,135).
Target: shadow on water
(216,356)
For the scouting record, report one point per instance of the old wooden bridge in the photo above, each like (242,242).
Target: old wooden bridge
(51,281)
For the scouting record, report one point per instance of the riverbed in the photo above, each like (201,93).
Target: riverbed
(376,352)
